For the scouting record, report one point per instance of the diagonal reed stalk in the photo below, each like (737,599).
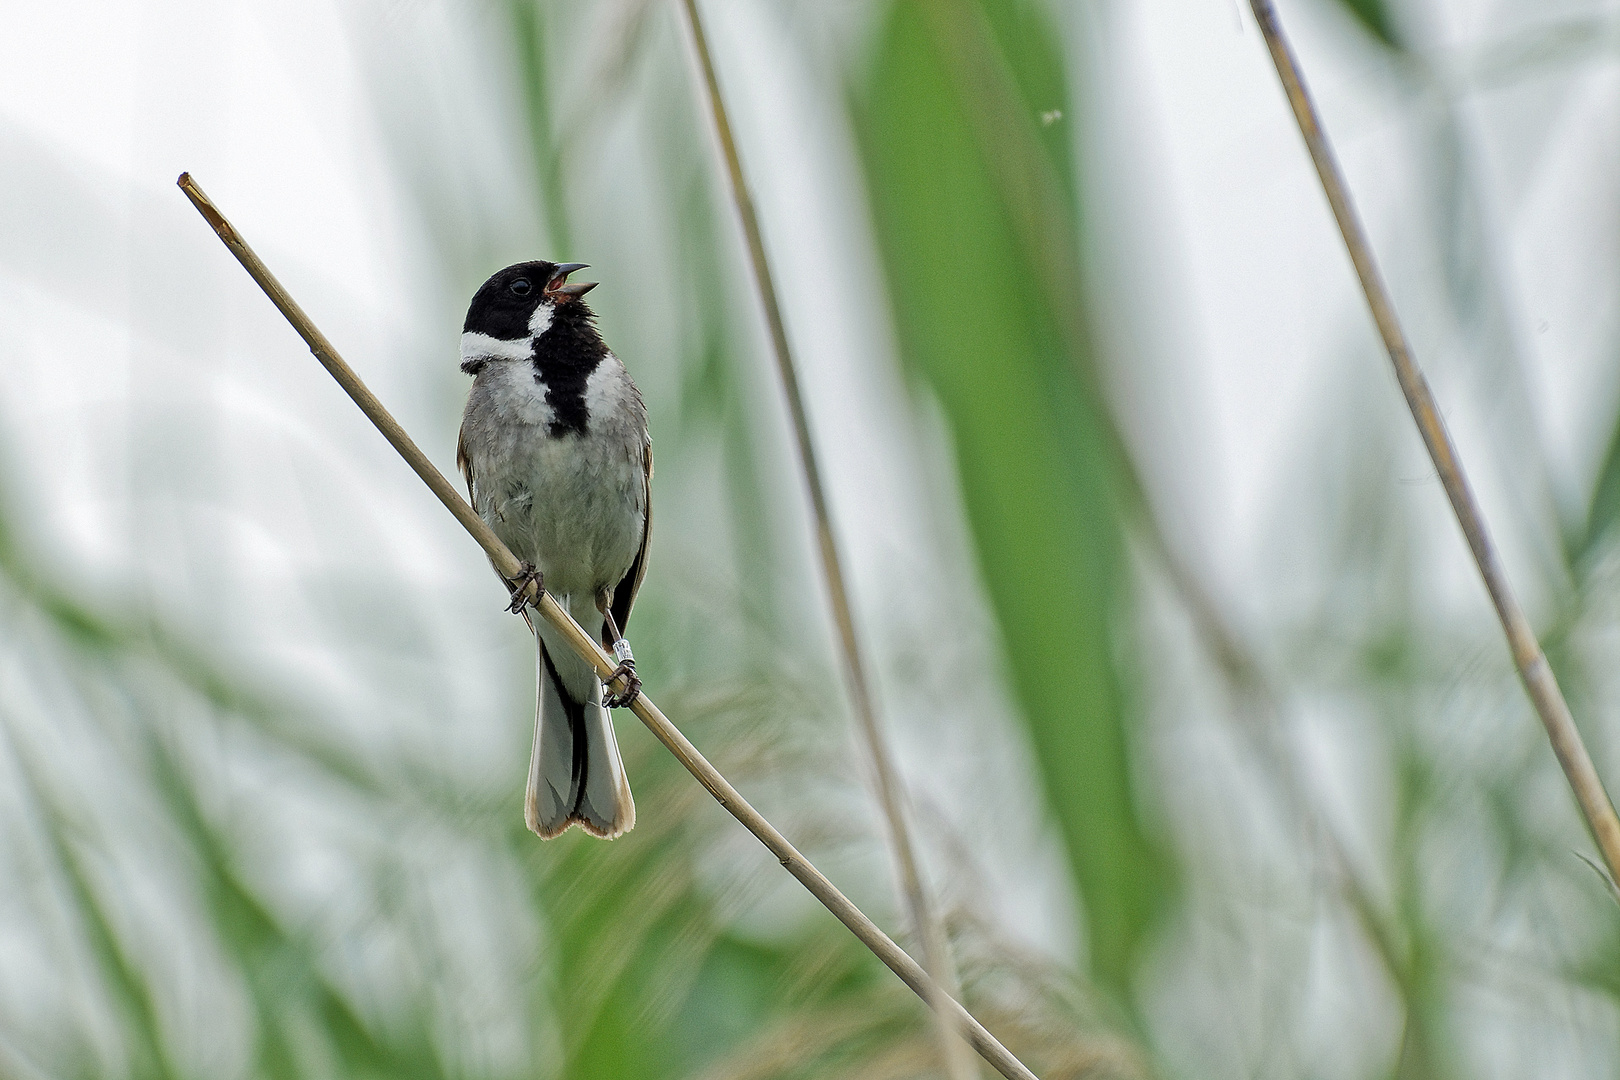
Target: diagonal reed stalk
(1534,671)
(925,922)
(506,564)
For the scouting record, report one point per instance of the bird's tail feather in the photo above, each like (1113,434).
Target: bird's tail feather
(576,776)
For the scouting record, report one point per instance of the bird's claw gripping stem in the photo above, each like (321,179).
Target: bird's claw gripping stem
(626,671)
(520,585)
(632,686)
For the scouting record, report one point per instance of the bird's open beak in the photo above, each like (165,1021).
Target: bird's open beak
(558,285)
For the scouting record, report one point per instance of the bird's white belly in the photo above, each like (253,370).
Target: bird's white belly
(580,518)
(573,505)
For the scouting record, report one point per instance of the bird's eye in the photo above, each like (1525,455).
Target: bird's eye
(521,287)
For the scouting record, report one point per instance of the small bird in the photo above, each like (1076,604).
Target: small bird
(555,451)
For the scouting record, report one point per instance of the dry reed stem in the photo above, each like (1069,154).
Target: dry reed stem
(926,923)
(1539,682)
(506,564)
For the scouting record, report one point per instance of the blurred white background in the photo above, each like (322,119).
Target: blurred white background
(169,451)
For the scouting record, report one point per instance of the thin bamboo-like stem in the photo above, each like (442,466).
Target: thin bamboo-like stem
(506,564)
(1534,671)
(886,778)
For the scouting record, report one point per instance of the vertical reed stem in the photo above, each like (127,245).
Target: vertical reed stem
(925,922)
(1534,671)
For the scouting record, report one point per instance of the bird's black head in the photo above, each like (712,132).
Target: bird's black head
(519,305)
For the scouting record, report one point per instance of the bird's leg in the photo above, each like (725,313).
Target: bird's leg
(520,586)
(627,663)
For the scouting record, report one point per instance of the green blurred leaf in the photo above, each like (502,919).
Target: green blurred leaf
(1604,509)
(1376,18)
(292,995)
(120,971)
(529,37)
(1034,456)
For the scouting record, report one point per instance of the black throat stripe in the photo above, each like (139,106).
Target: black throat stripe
(564,358)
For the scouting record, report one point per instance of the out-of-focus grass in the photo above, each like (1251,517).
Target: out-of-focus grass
(1377,19)
(664,956)
(1031,451)
(168,817)
(643,973)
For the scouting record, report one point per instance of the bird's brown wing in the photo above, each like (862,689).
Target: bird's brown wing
(464,464)
(625,594)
